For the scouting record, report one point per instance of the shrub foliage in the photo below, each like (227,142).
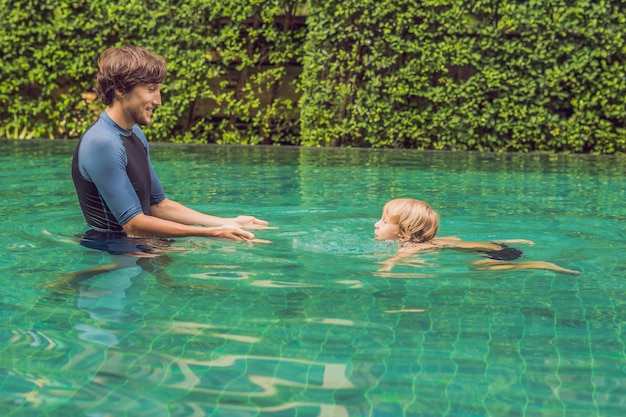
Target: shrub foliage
(487,75)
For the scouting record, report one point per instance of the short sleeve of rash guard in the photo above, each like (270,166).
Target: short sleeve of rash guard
(102,160)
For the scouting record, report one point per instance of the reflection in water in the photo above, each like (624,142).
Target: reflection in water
(266,283)
(402,275)
(334,322)
(112,293)
(223,272)
(104,298)
(240,383)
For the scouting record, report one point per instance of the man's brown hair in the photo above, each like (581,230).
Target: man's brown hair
(125,67)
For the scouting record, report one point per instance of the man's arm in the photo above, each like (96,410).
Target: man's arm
(179,213)
(172,219)
(143,225)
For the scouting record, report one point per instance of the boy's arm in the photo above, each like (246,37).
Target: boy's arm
(404,252)
(522,241)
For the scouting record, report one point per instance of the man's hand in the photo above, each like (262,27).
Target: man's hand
(250,222)
(231,232)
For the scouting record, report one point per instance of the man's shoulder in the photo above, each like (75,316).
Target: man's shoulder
(100,141)
(101,133)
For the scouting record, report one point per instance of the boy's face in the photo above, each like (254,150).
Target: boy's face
(140,102)
(384,229)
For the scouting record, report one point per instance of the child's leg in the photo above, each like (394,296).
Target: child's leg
(494,265)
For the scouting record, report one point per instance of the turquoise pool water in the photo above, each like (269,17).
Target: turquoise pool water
(306,326)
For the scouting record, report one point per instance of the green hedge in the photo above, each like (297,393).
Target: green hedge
(542,75)
(490,75)
(227,61)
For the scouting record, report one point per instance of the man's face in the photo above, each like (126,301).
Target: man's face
(139,103)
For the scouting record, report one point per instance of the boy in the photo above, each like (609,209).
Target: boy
(415,224)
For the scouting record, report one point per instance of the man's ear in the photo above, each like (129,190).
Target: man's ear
(119,95)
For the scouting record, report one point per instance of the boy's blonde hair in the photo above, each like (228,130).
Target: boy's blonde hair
(418,222)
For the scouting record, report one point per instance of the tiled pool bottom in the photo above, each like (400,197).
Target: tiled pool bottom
(306,326)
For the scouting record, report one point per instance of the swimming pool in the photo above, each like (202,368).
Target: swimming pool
(306,326)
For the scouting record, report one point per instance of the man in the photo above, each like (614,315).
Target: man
(119,193)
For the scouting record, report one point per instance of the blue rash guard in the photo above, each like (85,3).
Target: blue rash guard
(113,176)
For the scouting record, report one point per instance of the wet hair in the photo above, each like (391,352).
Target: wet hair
(417,221)
(125,67)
